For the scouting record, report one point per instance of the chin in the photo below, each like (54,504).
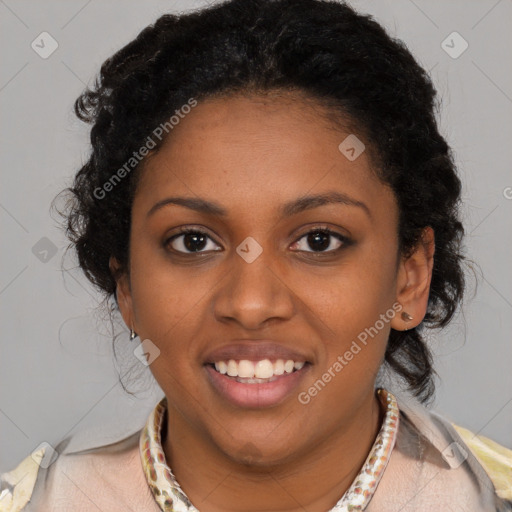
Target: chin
(259,454)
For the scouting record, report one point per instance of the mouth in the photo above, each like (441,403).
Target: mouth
(256,384)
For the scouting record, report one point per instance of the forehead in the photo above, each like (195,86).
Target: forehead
(258,151)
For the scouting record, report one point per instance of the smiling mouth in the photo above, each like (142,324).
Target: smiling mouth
(256,384)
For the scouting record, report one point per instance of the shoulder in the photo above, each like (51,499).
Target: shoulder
(108,477)
(482,458)
(17,485)
(494,458)
(437,463)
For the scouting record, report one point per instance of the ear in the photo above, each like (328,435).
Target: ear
(123,292)
(413,283)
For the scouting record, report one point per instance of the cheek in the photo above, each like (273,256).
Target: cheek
(355,309)
(166,306)
(166,299)
(354,294)
(354,344)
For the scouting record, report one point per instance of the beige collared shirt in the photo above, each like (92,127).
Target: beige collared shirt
(432,467)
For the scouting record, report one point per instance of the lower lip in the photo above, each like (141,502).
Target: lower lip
(256,396)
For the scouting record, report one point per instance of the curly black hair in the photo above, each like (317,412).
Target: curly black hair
(323,49)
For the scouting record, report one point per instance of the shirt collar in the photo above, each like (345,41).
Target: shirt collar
(171,497)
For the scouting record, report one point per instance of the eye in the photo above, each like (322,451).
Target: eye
(189,241)
(322,240)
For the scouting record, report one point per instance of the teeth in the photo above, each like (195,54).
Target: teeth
(263,369)
(279,367)
(221,367)
(232,368)
(246,369)
(288,366)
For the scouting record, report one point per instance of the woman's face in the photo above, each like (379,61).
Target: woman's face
(252,177)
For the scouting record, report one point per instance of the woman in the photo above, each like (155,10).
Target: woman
(272,206)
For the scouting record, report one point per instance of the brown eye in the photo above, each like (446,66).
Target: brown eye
(322,240)
(190,241)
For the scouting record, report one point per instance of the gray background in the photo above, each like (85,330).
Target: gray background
(57,372)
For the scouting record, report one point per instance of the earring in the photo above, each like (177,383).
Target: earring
(133,334)
(406,317)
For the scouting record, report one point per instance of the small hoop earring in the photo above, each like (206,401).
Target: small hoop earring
(133,334)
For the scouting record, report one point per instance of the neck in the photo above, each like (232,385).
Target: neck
(215,483)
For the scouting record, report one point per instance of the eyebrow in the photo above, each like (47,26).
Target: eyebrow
(287,210)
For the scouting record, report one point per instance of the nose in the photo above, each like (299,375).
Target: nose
(254,294)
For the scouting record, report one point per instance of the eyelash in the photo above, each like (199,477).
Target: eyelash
(319,229)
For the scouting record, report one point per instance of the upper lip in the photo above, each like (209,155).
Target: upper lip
(253,350)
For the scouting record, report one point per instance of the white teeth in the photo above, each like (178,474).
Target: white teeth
(263,369)
(232,368)
(279,367)
(288,366)
(246,369)
(221,367)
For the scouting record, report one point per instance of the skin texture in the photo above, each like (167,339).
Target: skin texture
(251,155)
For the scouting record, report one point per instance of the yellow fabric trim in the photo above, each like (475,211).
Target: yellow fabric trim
(23,479)
(495,459)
